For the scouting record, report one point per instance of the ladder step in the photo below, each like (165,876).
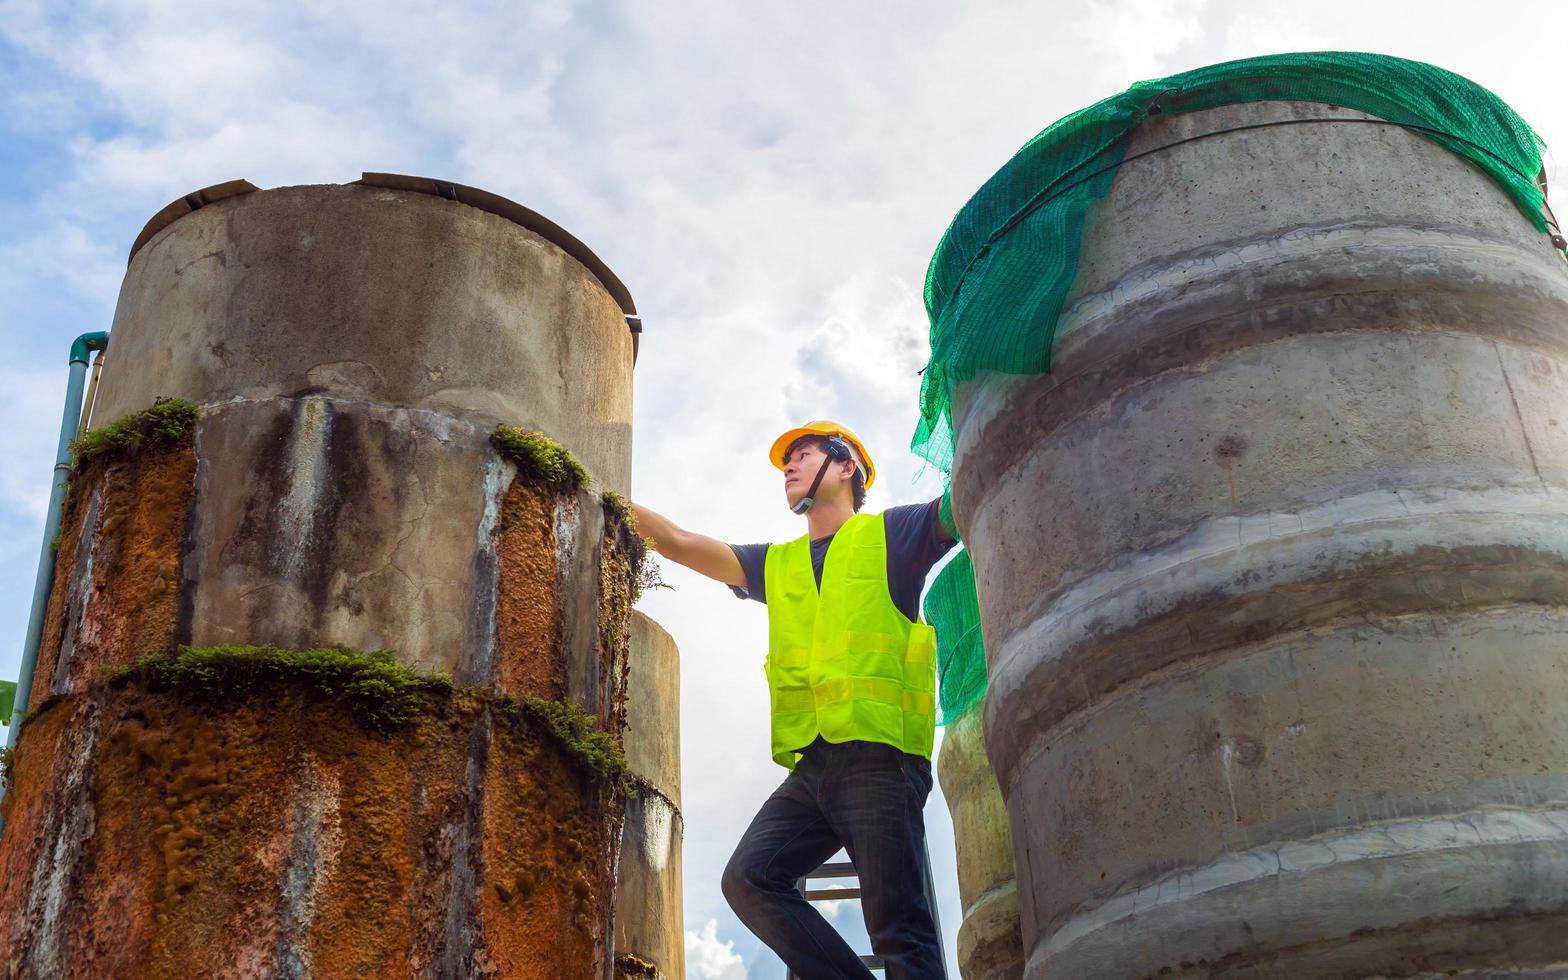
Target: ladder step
(832,894)
(834,869)
(846,869)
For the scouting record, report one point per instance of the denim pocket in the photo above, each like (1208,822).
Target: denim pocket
(917,773)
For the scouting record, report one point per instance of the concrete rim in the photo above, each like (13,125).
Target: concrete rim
(461,193)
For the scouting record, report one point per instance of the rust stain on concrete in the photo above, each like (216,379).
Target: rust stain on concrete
(529,661)
(264,832)
(117,582)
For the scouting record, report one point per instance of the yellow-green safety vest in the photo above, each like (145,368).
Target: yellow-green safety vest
(845,663)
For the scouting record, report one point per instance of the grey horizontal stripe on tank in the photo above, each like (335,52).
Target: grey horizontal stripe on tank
(1200,289)
(1221,263)
(442,423)
(1392,839)
(1322,539)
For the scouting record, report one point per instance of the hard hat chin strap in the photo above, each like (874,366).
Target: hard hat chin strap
(836,451)
(811,495)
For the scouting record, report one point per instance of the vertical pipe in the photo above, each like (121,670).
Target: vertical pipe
(46,554)
(91,396)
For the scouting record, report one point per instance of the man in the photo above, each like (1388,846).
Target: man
(851,679)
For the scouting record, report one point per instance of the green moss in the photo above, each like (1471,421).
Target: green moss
(539,456)
(7,754)
(381,693)
(578,732)
(630,966)
(618,510)
(622,524)
(165,424)
(639,550)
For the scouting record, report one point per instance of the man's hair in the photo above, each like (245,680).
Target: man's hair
(857,483)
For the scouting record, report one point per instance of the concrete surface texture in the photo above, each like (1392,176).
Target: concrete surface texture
(989,944)
(376,295)
(351,350)
(1273,568)
(649,921)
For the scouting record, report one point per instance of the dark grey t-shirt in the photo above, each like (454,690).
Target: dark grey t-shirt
(912,548)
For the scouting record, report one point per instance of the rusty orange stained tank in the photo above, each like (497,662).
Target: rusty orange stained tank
(276,801)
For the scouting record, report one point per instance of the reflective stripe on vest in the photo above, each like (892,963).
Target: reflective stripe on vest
(845,663)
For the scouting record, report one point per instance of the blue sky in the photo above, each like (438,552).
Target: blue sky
(769,181)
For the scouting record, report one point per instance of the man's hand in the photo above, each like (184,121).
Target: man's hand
(698,552)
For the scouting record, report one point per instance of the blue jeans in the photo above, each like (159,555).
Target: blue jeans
(867,798)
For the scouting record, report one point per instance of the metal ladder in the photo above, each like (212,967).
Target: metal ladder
(846,869)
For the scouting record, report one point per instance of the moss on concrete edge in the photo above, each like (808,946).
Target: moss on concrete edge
(381,693)
(630,966)
(618,510)
(542,458)
(577,732)
(618,516)
(166,423)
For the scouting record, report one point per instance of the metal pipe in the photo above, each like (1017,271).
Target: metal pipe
(91,397)
(80,349)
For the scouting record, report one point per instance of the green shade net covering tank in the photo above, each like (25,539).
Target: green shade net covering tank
(1002,271)
(960,655)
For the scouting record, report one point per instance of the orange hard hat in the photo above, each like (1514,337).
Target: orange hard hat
(825,428)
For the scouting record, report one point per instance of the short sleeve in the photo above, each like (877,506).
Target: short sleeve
(753,560)
(912,549)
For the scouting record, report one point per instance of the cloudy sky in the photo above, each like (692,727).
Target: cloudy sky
(768,179)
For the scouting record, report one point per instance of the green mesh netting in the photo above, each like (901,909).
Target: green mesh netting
(1000,273)
(960,658)
(1002,270)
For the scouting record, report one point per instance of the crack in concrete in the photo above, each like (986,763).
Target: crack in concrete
(1524,430)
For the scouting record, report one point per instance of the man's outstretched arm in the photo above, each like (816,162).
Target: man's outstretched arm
(698,552)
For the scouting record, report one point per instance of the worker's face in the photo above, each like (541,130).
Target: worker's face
(800,469)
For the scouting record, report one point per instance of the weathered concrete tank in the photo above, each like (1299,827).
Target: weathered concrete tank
(1274,567)
(319,323)
(212,779)
(989,946)
(650,939)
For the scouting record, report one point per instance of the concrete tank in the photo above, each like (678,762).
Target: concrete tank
(350,350)
(318,322)
(649,918)
(1274,567)
(989,946)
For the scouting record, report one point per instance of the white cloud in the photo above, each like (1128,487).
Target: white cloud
(709,959)
(1121,40)
(831,908)
(59,255)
